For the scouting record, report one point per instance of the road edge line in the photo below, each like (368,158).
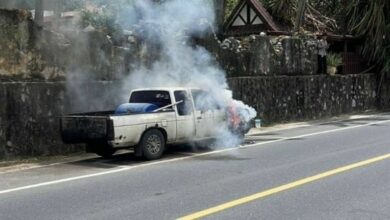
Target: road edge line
(126,168)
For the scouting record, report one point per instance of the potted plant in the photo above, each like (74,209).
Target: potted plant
(333,60)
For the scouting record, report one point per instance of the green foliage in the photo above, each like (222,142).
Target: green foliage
(72,5)
(371,20)
(334,59)
(283,10)
(319,14)
(102,21)
(230,5)
(107,20)
(329,8)
(20,4)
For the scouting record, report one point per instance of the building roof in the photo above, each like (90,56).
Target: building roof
(249,17)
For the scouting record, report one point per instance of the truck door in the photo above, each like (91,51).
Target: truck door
(185,124)
(204,123)
(204,114)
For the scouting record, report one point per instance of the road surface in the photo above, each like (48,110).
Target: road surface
(329,170)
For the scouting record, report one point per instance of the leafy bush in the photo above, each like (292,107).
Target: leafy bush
(334,59)
(102,21)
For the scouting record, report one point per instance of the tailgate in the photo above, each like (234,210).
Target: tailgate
(84,129)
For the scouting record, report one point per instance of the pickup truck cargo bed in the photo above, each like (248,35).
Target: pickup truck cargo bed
(85,128)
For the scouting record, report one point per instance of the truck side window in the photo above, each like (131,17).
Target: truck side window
(185,107)
(159,98)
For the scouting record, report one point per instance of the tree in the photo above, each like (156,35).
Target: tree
(220,7)
(369,19)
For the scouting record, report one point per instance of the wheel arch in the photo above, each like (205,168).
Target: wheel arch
(162,130)
(138,150)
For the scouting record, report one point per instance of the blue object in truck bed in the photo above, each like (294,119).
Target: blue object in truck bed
(135,108)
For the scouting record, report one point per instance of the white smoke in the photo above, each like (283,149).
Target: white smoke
(170,25)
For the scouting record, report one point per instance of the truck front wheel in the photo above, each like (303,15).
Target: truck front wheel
(152,144)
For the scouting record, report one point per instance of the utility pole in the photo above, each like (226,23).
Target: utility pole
(39,12)
(220,8)
(300,15)
(58,8)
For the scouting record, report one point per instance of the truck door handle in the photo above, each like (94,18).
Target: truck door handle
(199,118)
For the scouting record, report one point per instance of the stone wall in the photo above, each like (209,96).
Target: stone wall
(293,98)
(384,91)
(29,114)
(274,75)
(16,40)
(29,52)
(264,55)
(29,111)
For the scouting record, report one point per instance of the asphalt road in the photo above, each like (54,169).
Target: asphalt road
(329,170)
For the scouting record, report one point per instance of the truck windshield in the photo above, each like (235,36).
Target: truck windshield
(159,98)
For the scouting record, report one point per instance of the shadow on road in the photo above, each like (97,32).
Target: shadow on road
(128,158)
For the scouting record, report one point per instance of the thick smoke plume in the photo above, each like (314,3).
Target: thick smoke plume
(170,26)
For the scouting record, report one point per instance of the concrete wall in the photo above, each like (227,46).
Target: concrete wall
(29,111)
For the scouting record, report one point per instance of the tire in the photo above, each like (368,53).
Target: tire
(152,144)
(101,149)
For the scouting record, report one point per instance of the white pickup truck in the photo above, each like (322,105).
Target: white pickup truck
(153,118)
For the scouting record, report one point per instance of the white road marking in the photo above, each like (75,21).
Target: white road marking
(126,168)
(316,133)
(123,168)
(284,127)
(27,166)
(306,124)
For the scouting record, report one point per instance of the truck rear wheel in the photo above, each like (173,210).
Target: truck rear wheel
(152,144)
(103,150)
